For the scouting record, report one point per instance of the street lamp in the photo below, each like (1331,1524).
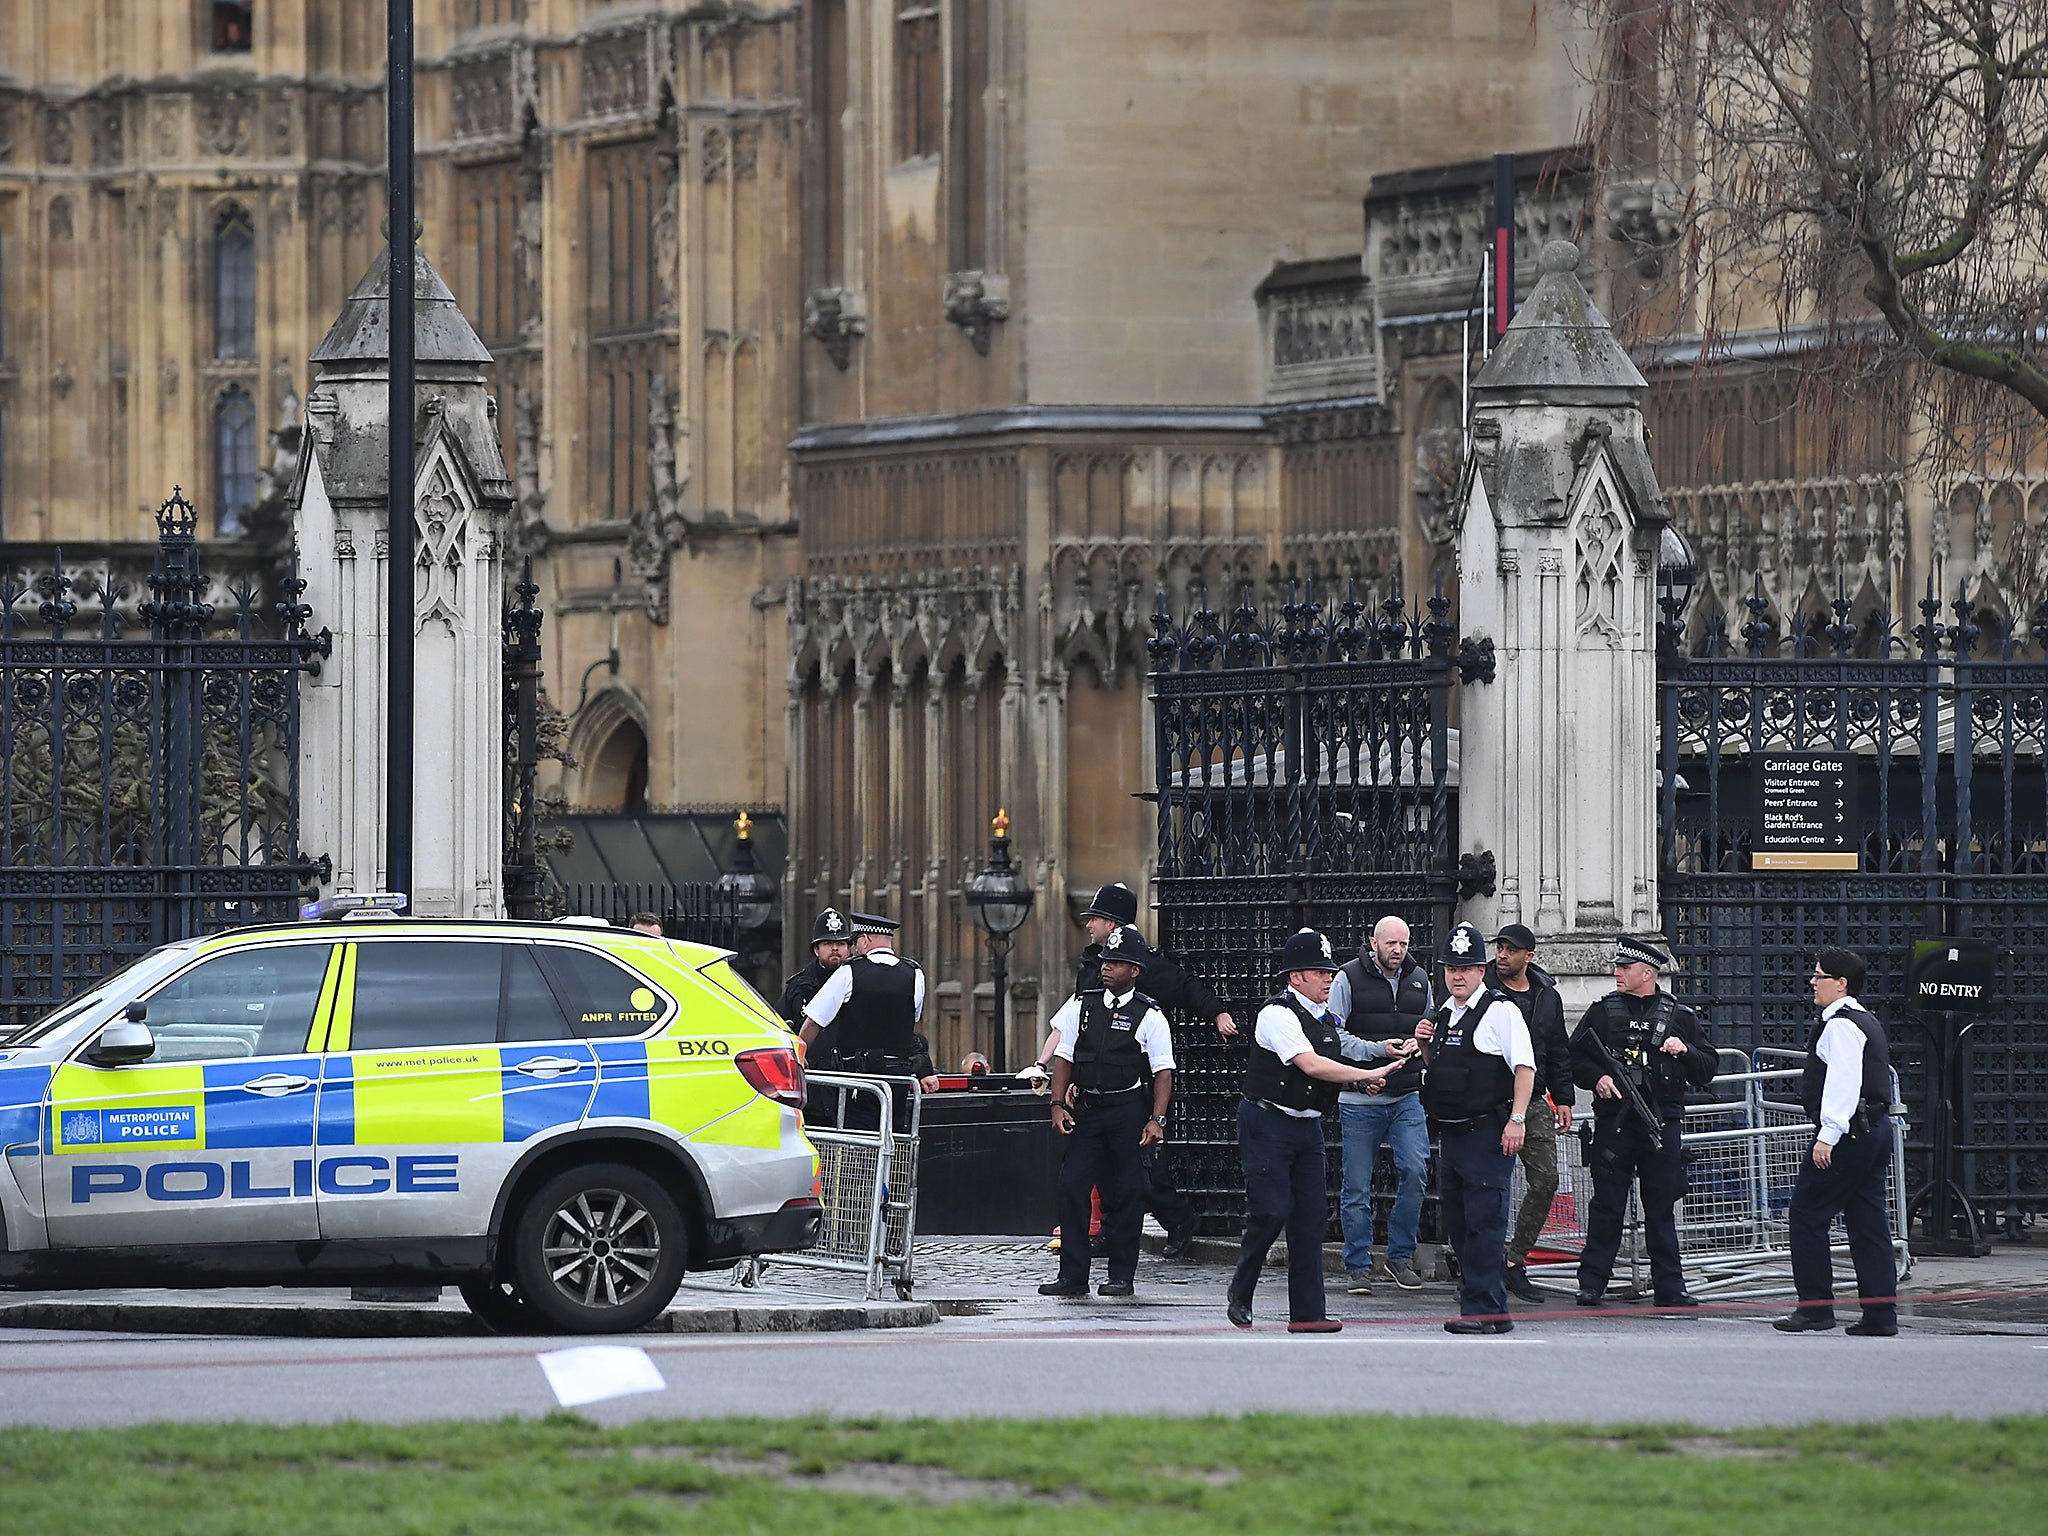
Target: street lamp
(745,886)
(1001,901)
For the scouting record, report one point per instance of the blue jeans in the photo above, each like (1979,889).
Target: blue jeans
(1401,1124)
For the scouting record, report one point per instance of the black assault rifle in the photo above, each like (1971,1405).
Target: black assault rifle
(1631,1096)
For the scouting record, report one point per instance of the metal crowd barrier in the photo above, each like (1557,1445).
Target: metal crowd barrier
(866,1131)
(1743,1152)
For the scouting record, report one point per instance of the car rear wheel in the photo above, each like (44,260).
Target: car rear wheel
(599,1249)
(498,1305)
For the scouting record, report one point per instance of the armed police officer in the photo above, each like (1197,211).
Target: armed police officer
(1482,1070)
(1639,1050)
(1847,1092)
(831,947)
(1296,1067)
(1381,996)
(1517,977)
(1114,1064)
(868,1008)
(1176,990)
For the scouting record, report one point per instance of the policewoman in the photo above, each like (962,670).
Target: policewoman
(1847,1092)
(1116,1054)
(1481,1073)
(1296,1067)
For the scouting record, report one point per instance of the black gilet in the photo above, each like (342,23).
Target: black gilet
(1269,1079)
(1380,1011)
(879,1017)
(1876,1096)
(1107,1056)
(1464,1082)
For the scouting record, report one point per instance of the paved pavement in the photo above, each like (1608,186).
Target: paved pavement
(1975,1345)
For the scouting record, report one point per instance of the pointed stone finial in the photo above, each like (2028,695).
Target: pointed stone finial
(1559,341)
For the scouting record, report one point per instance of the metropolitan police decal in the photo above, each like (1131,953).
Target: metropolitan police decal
(176,1124)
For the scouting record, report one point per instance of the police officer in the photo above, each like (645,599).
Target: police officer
(872,1005)
(1176,989)
(1482,1070)
(1116,1055)
(1662,1048)
(1296,1067)
(1517,977)
(1847,1091)
(831,946)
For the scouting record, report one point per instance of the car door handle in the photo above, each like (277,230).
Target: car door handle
(275,1085)
(550,1066)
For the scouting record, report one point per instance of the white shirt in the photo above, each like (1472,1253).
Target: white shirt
(1841,1047)
(824,1008)
(1280,1032)
(1152,1035)
(1501,1031)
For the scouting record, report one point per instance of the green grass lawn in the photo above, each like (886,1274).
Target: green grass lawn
(1265,1473)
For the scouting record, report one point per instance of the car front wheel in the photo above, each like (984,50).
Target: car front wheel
(599,1249)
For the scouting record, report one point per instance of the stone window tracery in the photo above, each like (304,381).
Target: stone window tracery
(234,462)
(920,109)
(234,26)
(234,285)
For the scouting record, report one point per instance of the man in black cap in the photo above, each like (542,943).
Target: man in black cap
(831,947)
(1517,977)
(1176,990)
(1661,1047)
(1482,1070)
(1296,1067)
(1847,1092)
(1115,1062)
(872,1004)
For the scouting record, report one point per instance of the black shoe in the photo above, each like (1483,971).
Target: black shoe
(1115,1288)
(1317,1325)
(1177,1241)
(1804,1321)
(1468,1325)
(1871,1328)
(1682,1299)
(1520,1285)
(1239,1311)
(1588,1299)
(1064,1288)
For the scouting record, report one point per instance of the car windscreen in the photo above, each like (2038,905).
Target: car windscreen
(130,979)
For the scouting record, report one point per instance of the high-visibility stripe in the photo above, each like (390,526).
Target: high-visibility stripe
(621,1081)
(337,1102)
(758,1124)
(344,1003)
(236,1117)
(434,1095)
(330,984)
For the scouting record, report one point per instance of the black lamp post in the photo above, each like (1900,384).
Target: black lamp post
(1001,901)
(745,885)
(1677,575)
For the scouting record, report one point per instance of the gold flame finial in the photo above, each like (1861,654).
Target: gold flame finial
(744,825)
(1000,827)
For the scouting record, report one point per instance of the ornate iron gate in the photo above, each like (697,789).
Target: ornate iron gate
(1950,736)
(1303,778)
(151,781)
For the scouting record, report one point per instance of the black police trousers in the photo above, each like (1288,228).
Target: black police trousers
(1853,1186)
(1622,1155)
(1473,1175)
(1284,1191)
(1102,1153)
(1162,1197)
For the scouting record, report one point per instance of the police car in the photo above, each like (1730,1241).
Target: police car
(560,1120)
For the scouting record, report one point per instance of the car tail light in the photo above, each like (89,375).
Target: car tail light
(775,1073)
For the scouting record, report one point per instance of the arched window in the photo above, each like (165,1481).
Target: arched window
(234,29)
(234,463)
(234,285)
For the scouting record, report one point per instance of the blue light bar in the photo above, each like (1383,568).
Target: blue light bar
(342,903)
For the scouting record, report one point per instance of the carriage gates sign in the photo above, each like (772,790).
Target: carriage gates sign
(1806,811)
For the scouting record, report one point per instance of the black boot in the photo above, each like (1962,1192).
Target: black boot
(1521,1286)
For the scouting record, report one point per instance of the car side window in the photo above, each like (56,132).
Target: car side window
(602,996)
(419,992)
(531,1012)
(248,1002)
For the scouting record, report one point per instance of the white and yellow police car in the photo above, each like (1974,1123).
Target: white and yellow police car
(561,1120)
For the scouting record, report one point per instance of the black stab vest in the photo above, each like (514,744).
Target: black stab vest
(1107,1056)
(879,1018)
(1273,1081)
(1876,1097)
(1464,1082)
